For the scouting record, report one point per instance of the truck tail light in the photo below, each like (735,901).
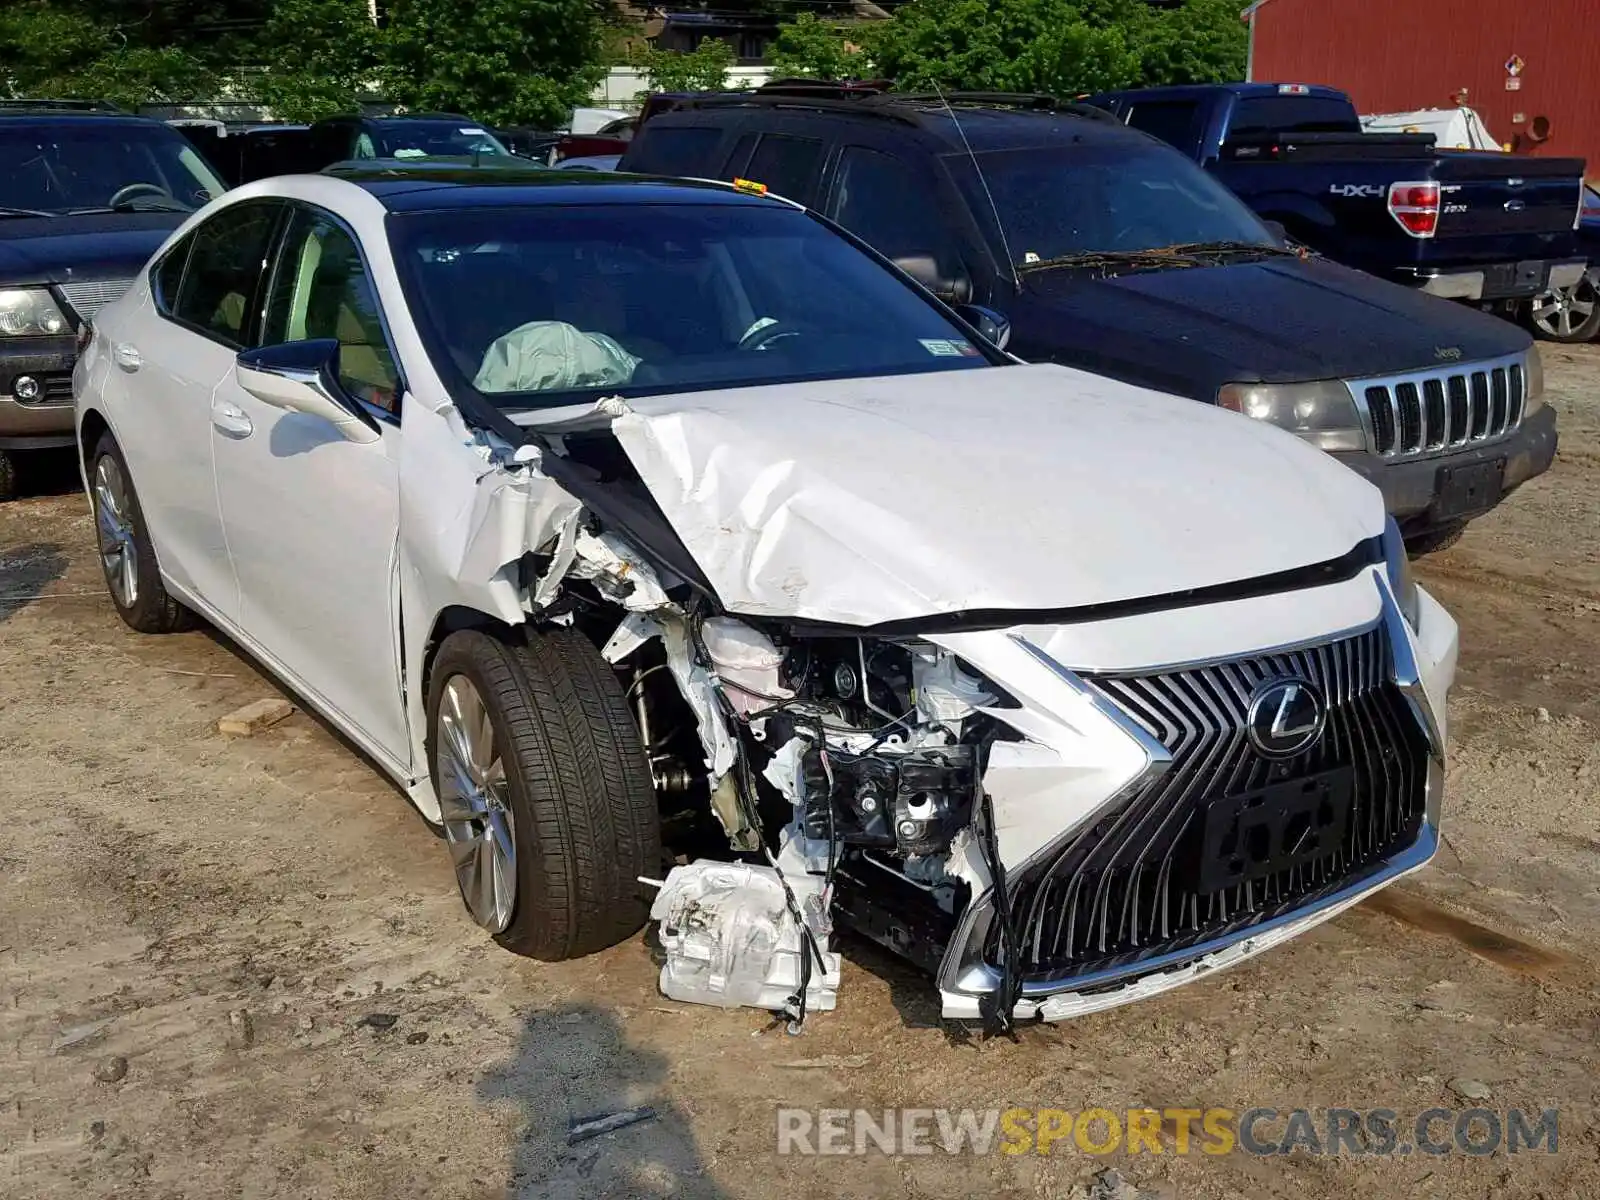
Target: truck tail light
(1416,207)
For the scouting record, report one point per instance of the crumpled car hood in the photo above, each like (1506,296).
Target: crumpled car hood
(866,501)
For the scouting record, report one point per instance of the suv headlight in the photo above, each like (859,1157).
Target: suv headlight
(1534,381)
(29,312)
(1322,413)
(1401,581)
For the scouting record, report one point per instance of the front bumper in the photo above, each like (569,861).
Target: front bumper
(1421,666)
(46,422)
(1412,487)
(1496,281)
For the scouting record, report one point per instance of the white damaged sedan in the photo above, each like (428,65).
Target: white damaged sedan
(609,512)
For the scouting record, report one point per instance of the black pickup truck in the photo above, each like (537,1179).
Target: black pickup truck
(1470,225)
(1098,247)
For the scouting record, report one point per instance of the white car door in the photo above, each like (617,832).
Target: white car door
(171,356)
(312,519)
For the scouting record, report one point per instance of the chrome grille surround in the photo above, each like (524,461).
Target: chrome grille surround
(1418,414)
(969,967)
(89,296)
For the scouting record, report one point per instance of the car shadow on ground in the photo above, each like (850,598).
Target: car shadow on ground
(574,1063)
(47,472)
(26,573)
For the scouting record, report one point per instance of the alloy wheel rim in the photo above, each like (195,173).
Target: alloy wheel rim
(1563,311)
(118,557)
(474,801)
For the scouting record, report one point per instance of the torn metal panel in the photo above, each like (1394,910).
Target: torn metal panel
(864,501)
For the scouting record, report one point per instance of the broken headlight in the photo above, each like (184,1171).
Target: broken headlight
(1322,412)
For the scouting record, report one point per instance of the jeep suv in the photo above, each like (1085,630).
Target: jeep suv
(87,195)
(1106,249)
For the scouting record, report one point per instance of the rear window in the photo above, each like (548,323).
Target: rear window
(1262,116)
(1173,121)
(668,150)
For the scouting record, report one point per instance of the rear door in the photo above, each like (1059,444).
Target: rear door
(173,356)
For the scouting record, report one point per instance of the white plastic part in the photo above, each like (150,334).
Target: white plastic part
(946,694)
(731,941)
(747,663)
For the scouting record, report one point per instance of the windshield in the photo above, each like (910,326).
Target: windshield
(94,166)
(433,139)
(544,306)
(1057,202)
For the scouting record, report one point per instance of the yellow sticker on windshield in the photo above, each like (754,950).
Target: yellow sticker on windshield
(751,186)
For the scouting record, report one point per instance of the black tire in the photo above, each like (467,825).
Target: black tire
(579,786)
(8,477)
(153,610)
(1434,540)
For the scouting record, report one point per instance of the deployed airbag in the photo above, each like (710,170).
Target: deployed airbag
(552,356)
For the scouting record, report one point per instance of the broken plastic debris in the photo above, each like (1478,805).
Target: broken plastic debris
(730,940)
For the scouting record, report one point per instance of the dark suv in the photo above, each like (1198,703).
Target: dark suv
(87,194)
(1106,249)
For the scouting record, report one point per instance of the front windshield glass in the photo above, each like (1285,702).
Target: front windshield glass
(436,139)
(93,166)
(1058,202)
(544,306)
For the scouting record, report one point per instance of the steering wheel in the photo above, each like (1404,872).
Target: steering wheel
(764,337)
(133,190)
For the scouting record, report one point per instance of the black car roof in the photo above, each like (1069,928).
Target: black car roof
(985,122)
(401,189)
(72,117)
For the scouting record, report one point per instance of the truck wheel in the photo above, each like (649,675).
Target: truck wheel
(1434,540)
(545,789)
(8,477)
(1567,314)
(127,556)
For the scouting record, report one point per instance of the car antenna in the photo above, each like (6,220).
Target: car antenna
(1000,226)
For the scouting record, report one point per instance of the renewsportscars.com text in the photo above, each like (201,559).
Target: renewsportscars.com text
(1214,1131)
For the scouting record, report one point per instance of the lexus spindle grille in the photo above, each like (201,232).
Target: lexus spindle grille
(1143,881)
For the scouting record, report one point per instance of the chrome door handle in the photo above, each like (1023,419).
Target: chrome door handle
(231,419)
(126,355)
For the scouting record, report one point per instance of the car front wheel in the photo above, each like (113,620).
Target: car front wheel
(126,554)
(545,791)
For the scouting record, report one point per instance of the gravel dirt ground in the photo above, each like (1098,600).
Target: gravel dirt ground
(240,968)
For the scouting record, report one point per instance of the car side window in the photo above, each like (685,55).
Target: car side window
(226,263)
(168,275)
(787,165)
(1173,121)
(886,203)
(321,289)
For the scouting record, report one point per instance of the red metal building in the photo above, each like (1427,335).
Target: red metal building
(1532,70)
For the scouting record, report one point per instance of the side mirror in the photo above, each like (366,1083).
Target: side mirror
(994,326)
(1276,229)
(925,270)
(303,377)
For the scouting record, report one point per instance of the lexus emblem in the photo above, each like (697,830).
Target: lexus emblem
(1286,717)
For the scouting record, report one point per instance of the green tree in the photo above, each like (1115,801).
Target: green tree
(703,69)
(59,51)
(1058,46)
(1203,41)
(807,48)
(321,58)
(505,62)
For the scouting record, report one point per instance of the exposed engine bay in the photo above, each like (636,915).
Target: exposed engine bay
(829,756)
